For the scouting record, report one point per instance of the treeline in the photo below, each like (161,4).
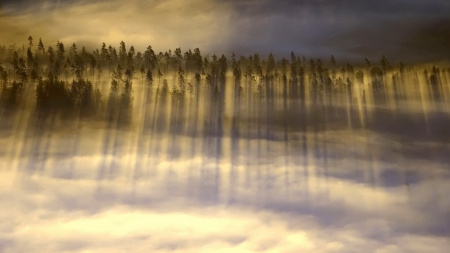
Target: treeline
(29,63)
(79,97)
(61,73)
(34,61)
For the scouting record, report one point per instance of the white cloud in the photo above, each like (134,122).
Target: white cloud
(83,214)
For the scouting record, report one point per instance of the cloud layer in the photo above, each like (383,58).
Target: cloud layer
(349,29)
(91,201)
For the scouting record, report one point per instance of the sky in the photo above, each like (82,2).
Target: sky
(413,30)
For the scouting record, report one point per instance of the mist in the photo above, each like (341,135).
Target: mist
(325,131)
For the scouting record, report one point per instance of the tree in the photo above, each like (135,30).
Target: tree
(360,76)
(197,59)
(129,73)
(367,62)
(349,68)
(3,77)
(117,73)
(377,77)
(348,84)
(30,60)
(57,68)
(293,58)
(284,64)
(138,58)
(51,56)
(312,66)
(223,64)
(197,77)
(21,71)
(400,67)
(333,61)
(237,73)
(177,56)
(16,63)
(41,45)
(79,66)
(234,63)
(130,62)
(73,51)
(122,53)
(60,49)
(149,76)
(103,53)
(30,40)
(248,71)
(92,64)
(256,61)
(181,76)
(132,51)
(160,75)
(142,70)
(384,64)
(150,58)
(270,64)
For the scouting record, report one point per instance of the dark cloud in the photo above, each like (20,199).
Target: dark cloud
(319,7)
(350,29)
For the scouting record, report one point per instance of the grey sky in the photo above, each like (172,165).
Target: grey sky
(349,29)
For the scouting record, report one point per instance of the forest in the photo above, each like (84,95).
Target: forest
(292,93)
(334,141)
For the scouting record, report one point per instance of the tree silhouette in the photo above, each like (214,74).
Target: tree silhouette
(295,79)
(270,64)
(30,40)
(149,76)
(384,64)
(360,76)
(3,77)
(160,75)
(377,78)
(150,59)
(181,73)
(333,61)
(236,73)
(122,53)
(367,62)
(41,46)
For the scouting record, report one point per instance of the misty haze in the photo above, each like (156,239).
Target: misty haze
(224,126)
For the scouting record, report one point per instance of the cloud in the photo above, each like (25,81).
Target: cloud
(193,204)
(349,29)
(338,7)
(162,24)
(376,220)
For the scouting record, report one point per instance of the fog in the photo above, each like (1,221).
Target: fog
(162,149)
(224,168)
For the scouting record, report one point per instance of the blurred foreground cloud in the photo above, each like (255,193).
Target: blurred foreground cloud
(47,213)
